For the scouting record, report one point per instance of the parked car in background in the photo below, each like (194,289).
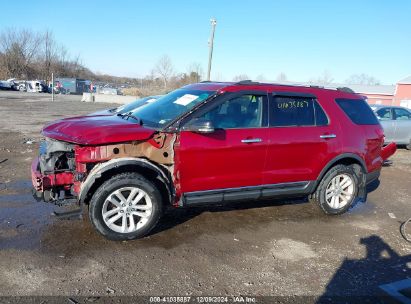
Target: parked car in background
(108,91)
(36,86)
(128,107)
(212,143)
(21,85)
(14,84)
(8,84)
(396,122)
(4,85)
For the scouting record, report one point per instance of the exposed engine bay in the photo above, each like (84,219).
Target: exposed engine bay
(53,170)
(61,170)
(56,156)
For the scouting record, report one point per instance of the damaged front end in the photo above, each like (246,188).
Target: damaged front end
(64,172)
(53,172)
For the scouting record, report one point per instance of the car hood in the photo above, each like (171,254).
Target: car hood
(102,112)
(97,130)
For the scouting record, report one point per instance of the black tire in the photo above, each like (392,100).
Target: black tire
(119,181)
(403,230)
(319,196)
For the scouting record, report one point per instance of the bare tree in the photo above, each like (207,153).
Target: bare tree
(49,54)
(363,79)
(19,48)
(219,77)
(195,72)
(164,69)
(29,54)
(282,77)
(261,78)
(240,77)
(3,69)
(325,79)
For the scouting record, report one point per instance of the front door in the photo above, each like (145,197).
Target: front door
(233,155)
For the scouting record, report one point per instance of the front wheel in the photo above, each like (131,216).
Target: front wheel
(337,190)
(125,207)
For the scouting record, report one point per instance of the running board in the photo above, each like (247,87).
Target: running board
(248,193)
(68,214)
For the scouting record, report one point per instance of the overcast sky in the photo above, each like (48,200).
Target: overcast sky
(299,38)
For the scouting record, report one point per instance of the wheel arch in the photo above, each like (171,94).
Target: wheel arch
(161,177)
(342,159)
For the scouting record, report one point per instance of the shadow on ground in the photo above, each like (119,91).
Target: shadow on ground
(358,281)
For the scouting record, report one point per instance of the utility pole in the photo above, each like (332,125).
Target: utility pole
(52,86)
(210,45)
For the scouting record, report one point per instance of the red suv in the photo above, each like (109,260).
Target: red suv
(211,143)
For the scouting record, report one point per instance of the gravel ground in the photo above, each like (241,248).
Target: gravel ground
(264,248)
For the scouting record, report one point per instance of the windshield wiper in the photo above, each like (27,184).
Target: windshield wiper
(129,115)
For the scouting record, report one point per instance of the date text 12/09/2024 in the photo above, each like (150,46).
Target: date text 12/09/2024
(203,299)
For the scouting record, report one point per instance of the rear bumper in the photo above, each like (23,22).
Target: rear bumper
(388,150)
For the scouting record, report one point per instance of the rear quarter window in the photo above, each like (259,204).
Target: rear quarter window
(358,111)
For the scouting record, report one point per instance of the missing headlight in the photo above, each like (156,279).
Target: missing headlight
(56,156)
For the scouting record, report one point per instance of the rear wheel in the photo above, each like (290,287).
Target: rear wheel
(337,190)
(408,146)
(125,207)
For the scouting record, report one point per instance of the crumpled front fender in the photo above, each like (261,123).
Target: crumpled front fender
(101,168)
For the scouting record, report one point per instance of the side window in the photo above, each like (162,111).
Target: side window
(245,111)
(401,114)
(358,111)
(296,111)
(384,114)
(321,118)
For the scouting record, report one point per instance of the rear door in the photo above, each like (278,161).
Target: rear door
(301,139)
(234,154)
(385,116)
(402,125)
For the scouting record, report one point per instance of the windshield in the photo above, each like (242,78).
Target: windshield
(169,107)
(135,104)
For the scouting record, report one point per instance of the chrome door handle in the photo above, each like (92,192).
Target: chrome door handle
(325,136)
(251,140)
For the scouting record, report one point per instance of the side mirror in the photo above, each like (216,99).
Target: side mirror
(199,126)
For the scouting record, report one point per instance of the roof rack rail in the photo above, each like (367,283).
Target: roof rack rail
(316,86)
(345,89)
(248,81)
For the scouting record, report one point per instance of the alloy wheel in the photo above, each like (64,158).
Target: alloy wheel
(127,209)
(339,191)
